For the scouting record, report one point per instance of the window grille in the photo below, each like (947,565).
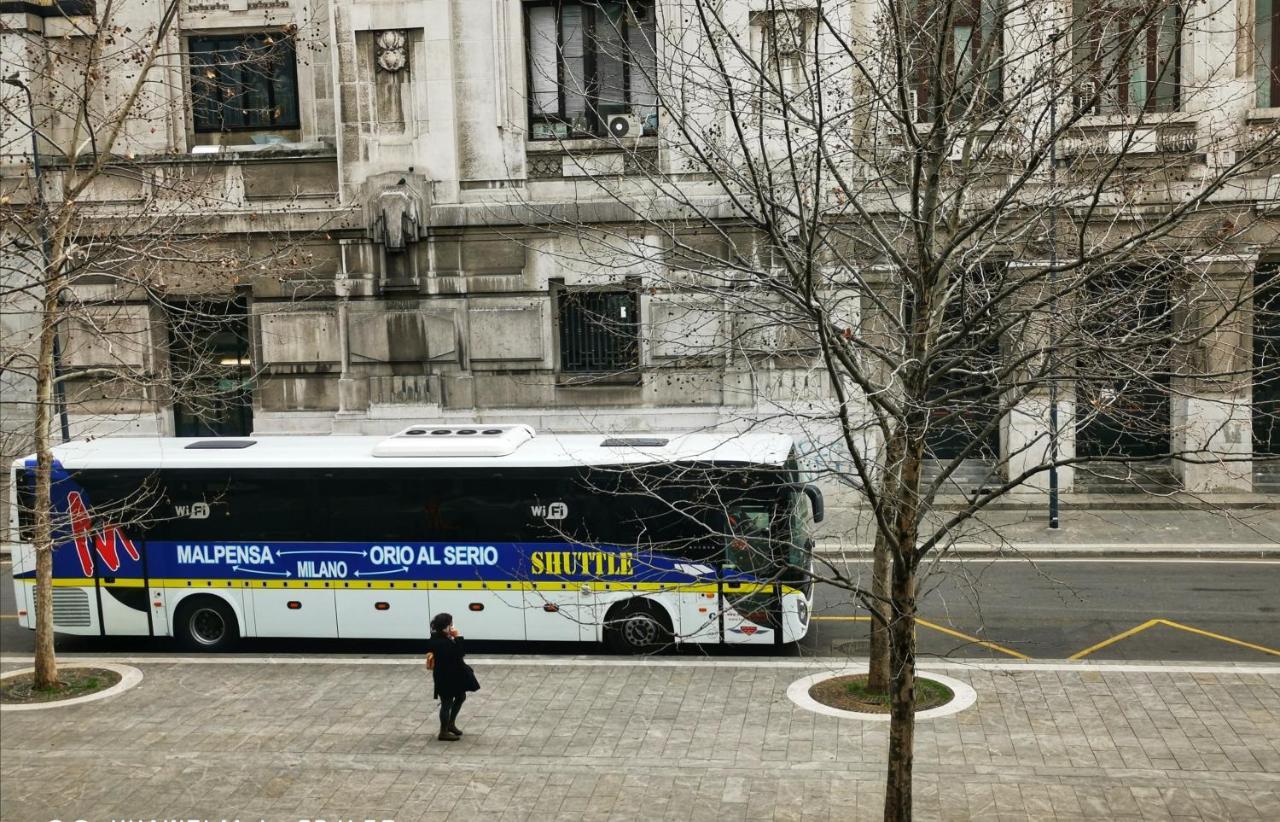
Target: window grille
(599,331)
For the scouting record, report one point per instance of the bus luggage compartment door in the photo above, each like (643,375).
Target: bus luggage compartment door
(294,612)
(564,612)
(484,610)
(384,613)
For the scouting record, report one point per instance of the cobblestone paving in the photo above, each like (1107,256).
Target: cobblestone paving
(635,741)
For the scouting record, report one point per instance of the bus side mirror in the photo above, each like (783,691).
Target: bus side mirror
(814,493)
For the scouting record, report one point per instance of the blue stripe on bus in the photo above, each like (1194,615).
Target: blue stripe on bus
(481,561)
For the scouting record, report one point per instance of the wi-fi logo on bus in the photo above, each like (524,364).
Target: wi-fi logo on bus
(556,510)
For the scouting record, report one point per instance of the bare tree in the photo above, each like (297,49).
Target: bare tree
(1016,235)
(94,267)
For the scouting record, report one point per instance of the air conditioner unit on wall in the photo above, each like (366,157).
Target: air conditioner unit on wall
(624,125)
(1085,102)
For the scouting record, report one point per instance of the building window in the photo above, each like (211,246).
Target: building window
(781,41)
(243,82)
(1127,55)
(974,56)
(591,61)
(1266,58)
(599,330)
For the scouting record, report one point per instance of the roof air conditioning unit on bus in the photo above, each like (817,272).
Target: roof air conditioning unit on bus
(624,125)
(470,440)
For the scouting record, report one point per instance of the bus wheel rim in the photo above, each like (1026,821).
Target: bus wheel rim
(207,626)
(640,631)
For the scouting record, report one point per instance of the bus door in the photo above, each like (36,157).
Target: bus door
(750,601)
(107,545)
(124,605)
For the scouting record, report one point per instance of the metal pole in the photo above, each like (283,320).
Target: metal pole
(60,391)
(1053,288)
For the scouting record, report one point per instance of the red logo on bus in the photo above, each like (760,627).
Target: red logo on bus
(104,543)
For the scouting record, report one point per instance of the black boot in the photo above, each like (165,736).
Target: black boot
(447,735)
(453,728)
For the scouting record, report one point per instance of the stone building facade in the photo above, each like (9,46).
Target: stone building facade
(404,151)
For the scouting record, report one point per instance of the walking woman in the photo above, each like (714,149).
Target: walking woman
(452,677)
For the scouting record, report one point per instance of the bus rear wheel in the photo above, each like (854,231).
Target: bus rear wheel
(637,628)
(207,624)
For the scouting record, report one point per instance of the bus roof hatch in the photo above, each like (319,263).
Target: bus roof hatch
(471,440)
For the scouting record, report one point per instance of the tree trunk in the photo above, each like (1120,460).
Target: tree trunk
(46,665)
(902,631)
(878,672)
(902,719)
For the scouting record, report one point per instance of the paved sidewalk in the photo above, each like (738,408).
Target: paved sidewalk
(686,739)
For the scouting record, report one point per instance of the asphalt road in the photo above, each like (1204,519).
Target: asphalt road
(1183,610)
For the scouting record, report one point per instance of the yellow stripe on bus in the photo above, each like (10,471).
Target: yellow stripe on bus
(425,585)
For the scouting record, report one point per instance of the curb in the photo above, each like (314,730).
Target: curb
(129,677)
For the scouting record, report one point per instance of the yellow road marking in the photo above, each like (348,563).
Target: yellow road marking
(993,646)
(926,623)
(1219,637)
(1137,629)
(8,616)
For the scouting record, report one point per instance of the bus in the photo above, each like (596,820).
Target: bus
(637,541)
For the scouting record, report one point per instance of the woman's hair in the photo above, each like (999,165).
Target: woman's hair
(441,621)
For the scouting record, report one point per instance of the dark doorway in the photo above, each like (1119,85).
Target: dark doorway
(1266,378)
(964,394)
(1122,394)
(212,369)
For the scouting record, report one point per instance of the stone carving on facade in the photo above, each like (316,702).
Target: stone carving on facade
(392,50)
(398,217)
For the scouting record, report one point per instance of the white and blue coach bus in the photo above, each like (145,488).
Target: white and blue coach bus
(639,541)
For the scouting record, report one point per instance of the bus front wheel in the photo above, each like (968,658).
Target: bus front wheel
(637,627)
(207,624)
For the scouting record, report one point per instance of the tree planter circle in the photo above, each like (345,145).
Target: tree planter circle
(798,692)
(129,676)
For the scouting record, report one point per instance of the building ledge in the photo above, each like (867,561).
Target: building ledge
(589,146)
(229,155)
(1137,501)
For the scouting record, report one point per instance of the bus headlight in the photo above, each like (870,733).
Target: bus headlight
(802,611)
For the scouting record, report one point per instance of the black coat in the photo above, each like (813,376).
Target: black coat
(450,672)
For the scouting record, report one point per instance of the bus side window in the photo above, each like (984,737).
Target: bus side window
(498,506)
(243,504)
(179,493)
(651,510)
